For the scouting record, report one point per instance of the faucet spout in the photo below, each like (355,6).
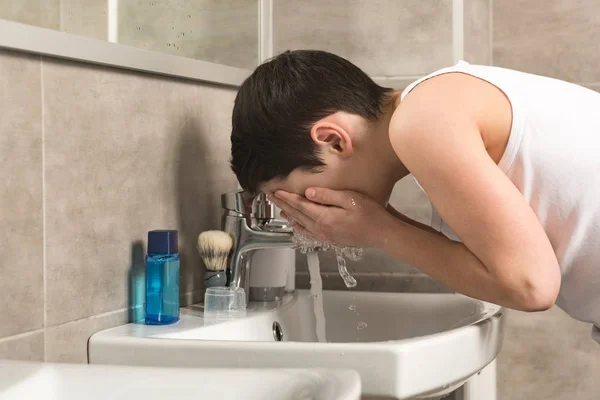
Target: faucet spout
(252,227)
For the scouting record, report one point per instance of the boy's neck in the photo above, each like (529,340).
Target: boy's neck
(382,149)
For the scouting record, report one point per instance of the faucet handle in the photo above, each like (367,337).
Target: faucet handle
(239,201)
(244,203)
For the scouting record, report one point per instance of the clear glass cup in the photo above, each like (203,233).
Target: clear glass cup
(224,302)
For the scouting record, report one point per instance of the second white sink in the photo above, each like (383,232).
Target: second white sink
(26,380)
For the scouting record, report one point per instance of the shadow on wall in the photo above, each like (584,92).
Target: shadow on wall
(194,190)
(195,213)
(137,282)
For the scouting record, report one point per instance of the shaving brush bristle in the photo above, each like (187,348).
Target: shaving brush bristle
(214,248)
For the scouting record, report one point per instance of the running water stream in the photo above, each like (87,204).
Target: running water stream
(310,247)
(316,293)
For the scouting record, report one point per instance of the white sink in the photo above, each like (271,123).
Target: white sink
(21,380)
(413,345)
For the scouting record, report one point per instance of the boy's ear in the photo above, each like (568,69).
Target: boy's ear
(332,138)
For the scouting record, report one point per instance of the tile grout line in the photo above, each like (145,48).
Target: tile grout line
(45,318)
(61,22)
(458,30)
(491,31)
(24,335)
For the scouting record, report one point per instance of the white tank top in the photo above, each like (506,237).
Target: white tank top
(553,158)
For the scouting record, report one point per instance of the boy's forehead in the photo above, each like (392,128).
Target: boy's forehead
(288,184)
(274,185)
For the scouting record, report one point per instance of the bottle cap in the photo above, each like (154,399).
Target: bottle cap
(162,242)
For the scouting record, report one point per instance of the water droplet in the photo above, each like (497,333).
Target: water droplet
(353,201)
(361,325)
(352,307)
(139,29)
(307,245)
(182,33)
(169,44)
(189,16)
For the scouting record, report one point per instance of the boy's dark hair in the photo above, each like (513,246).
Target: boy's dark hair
(277,105)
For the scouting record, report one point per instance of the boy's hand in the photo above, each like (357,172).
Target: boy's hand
(342,217)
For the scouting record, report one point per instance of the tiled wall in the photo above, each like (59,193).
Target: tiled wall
(223,32)
(43,13)
(91,158)
(386,38)
(477,32)
(548,355)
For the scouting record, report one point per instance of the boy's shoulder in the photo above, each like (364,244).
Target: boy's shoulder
(449,96)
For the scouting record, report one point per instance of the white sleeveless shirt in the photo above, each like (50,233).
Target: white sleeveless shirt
(553,158)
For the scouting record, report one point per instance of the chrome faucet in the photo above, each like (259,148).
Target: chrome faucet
(253,225)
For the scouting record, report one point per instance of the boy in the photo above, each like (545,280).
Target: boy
(508,160)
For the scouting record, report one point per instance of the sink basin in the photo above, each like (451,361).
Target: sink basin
(23,380)
(403,345)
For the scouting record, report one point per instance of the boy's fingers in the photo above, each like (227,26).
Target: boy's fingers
(304,206)
(327,197)
(290,211)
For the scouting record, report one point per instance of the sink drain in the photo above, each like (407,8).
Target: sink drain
(277,332)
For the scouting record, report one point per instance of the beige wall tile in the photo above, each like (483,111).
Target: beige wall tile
(383,37)
(224,32)
(28,347)
(378,282)
(411,201)
(85,18)
(20,90)
(43,13)
(593,86)
(549,356)
(68,342)
(477,31)
(21,284)
(125,153)
(558,38)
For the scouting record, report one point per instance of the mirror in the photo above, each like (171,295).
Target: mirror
(224,32)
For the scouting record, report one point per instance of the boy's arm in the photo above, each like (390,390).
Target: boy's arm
(505,256)
(396,214)
(330,215)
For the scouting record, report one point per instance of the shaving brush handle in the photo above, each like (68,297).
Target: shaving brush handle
(215,279)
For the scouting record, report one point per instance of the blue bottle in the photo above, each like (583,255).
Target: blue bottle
(162,278)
